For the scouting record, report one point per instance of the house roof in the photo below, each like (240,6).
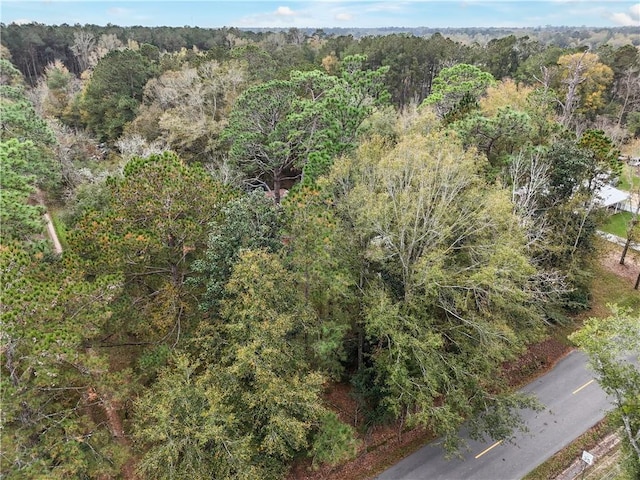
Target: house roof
(608,196)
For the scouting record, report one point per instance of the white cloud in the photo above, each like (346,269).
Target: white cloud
(22,21)
(343,17)
(376,13)
(281,17)
(631,19)
(387,7)
(327,13)
(622,19)
(285,12)
(119,11)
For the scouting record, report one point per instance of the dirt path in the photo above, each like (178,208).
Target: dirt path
(37,198)
(57,247)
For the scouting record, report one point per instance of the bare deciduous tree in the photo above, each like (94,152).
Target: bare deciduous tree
(528,175)
(627,89)
(83,45)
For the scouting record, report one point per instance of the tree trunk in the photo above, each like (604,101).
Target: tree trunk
(623,109)
(633,439)
(625,250)
(360,326)
(11,367)
(631,233)
(361,346)
(276,187)
(576,78)
(111,409)
(637,282)
(35,68)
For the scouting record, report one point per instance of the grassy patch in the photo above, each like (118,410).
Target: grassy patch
(629,179)
(617,224)
(617,291)
(608,287)
(562,459)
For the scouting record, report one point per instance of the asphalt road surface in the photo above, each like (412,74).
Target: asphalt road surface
(573,403)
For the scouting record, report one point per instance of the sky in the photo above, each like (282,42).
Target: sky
(326,13)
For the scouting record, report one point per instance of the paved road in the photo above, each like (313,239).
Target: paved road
(574,402)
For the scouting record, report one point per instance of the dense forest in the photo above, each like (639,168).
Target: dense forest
(249,217)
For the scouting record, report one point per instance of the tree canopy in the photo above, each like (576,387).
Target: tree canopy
(612,344)
(114,92)
(260,225)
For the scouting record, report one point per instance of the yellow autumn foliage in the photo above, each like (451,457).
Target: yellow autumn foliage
(591,76)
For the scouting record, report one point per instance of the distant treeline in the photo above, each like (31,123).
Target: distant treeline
(34,46)
(252,221)
(562,36)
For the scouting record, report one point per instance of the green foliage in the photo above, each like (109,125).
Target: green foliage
(263,65)
(447,297)
(50,381)
(114,92)
(9,74)
(281,127)
(152,52)
(570,172)
(266,140)
(26,140)
(256,404)
(452,84)
(334,443)
(188,430)
(25,159)
(394,263)
(250,221)
(505,55)
(370,392)
(342,110)
(25,162)
(498,137)
(319,259)
(59,92)
(413,60)
(533,68)
(604,155)
(467,104)
(153,359)
(18,118)
(89,197)
(610,343)
(154,226)
(20,221)
(264,322)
